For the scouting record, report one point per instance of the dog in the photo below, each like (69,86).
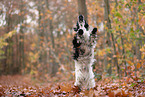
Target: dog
(84,43)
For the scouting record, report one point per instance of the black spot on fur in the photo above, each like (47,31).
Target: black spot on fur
(94,31)
(76,48)
(80,32)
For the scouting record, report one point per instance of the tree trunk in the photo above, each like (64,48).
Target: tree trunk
(82,9)
(139,40)
(41,32)
(122,43)
(17,55)
(108,24)
(21,42)
(8,61)
(110,34)
(54,64)
(21,49)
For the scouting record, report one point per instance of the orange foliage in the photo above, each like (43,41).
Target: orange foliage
(23,86)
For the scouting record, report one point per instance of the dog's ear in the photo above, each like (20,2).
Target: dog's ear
(94,31)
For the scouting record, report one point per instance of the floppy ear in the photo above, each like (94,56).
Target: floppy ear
(94,31)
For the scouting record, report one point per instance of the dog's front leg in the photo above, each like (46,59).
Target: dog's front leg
(78,74)
(91,80)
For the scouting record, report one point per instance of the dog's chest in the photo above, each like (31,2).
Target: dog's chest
(85,50)
(85,54)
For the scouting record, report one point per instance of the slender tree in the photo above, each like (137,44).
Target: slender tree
(82,9)
(110,34)
(21,42)
(50,25)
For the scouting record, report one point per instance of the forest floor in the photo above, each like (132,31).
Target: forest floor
(25,86)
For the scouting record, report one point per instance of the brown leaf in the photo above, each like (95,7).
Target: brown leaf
(75,89)
(111,94)
(118,93)
(138,65)
(66,87)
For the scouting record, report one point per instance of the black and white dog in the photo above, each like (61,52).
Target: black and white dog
(83,44)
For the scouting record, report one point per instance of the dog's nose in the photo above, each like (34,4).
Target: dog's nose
(80,32)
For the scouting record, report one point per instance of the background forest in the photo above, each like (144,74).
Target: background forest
(36,37)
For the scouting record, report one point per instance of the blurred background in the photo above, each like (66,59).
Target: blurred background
(36,37)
